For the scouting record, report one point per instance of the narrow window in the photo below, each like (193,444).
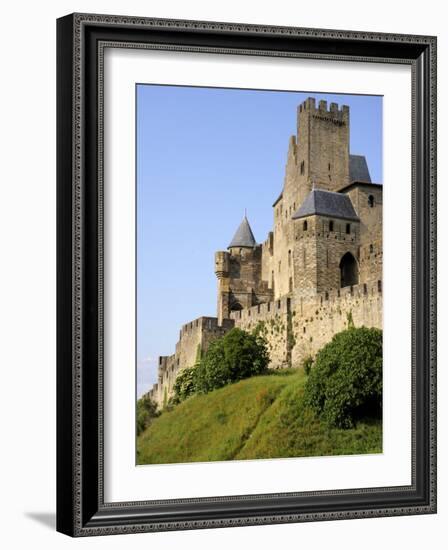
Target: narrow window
(272,279)
(329,166)
(289,258)
(347,229)
(365,288)
(371,249)
(331,225)
(380,286)
(302,167)
(278,304)
(326,295)
(305,225)
(371,201)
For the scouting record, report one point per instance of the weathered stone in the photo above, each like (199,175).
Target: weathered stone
(313,275)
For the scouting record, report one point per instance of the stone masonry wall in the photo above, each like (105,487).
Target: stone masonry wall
(298,327)
(194,339)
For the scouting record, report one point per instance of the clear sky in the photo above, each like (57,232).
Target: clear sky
(204,155)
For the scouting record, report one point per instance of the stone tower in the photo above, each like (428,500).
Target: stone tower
(322,147)
(326,248)
(318,158)
(238,270)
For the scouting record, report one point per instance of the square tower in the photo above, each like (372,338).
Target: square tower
(322,147)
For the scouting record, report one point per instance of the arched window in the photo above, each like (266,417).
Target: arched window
(347,228)
(349,270)
(371,201)
(331,226)
(305,225)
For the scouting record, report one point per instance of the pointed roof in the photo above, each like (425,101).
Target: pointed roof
(326,203)
(359,171)
(243,236)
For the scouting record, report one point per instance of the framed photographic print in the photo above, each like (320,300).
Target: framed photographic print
(246,274)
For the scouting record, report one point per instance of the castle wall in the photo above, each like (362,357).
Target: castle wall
(194,339)
(272,321)
(299,326)
(317,320)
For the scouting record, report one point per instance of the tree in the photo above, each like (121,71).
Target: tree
(146,412)
(235,356)
(345,383)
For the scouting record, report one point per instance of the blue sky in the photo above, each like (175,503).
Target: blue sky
(203,156)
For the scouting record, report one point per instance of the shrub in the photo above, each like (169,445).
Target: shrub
(146,412)
(307,363)
(235,356)
(345,383)
(185,384)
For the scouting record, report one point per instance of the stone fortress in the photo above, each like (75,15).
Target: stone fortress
(318,270)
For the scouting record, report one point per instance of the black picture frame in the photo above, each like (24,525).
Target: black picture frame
(81,510)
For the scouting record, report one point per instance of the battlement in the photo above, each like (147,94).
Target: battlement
(333,113)
(262,312)
(347,293)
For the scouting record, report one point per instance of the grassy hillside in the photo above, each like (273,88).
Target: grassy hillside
(261,417)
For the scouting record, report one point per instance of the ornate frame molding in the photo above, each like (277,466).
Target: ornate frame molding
(81,42)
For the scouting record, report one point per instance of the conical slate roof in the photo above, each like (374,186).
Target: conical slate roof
(327,203)
(243,236)
(359,171)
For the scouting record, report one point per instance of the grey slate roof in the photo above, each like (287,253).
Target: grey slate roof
(359,171)
(327,203)
(243,236)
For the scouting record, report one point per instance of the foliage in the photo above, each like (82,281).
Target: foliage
(307,363)
(185,384)
(345,383)
(146,412)
(235,356)
(260,417)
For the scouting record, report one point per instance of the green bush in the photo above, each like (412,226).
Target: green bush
(235,356)
(146,412)
(345,383)
(307,363)
(185,384)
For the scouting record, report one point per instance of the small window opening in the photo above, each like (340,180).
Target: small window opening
(348,229)
(305,225)
(371,201)
(331,226)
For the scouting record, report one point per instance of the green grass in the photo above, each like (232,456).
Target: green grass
(261,417)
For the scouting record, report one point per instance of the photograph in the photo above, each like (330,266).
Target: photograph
(259,274)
